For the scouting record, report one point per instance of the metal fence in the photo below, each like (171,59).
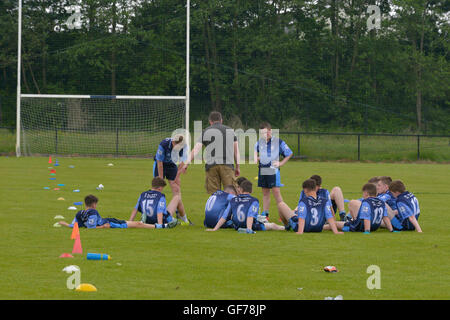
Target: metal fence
(325,146)
(362,146)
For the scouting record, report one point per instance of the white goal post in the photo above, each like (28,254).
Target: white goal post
(32,109)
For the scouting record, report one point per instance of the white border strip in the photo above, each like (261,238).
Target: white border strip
(53,96)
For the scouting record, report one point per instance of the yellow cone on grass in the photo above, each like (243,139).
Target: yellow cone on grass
(86,287)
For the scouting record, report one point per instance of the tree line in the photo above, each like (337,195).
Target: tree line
(300,64)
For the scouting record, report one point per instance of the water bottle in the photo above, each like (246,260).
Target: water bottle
(98,256)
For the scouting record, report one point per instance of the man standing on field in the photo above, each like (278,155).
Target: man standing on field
(222,153)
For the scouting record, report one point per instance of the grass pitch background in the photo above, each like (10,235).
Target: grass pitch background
(189,263)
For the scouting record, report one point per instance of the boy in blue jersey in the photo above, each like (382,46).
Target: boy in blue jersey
(369,215)
(335,196)
(164,166)
(91,219)
(216,205)
(153,207)
(267,154)
(311,213)
(243,212)
(384,194)
(407,207)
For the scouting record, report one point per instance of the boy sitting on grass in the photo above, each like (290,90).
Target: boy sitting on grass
(91,219)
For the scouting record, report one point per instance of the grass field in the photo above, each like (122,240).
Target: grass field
(189,263)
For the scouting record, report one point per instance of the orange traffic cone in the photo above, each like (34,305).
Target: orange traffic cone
(77,245)
(50,159)
(75,231)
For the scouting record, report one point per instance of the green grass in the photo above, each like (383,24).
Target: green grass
(189,263)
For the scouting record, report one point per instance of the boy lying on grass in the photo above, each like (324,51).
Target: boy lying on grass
(91,219)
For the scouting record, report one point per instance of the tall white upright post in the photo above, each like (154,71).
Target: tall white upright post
(188,14)
(19,66)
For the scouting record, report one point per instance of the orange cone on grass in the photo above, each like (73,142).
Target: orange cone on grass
(50,159)
(75,231)
(77,245)
(76,235)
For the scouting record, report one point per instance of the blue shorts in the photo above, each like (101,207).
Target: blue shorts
(116,223)
(256,226)
(269,181)
(170,170)
(293,223)
(210,222)
(167,217)
(405,225)
(354,226)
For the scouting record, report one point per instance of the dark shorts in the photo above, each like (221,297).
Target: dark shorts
(406,225)
(269,181)
(355,225)
(170,170)
(116,223)
(293,223)
(333,203)
(256,226)
(154,220)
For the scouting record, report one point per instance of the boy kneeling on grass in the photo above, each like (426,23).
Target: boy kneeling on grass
(91,219)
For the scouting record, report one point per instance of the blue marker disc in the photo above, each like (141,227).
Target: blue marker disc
(47,188)
(52,178)
(60,185)
(76,190)
(78,203)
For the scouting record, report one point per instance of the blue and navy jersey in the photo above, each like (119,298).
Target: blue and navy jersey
(271,150)
(149,204)
(373,209)
(165,154)
(389,198)
(407,206)
(321,193)
(315,212)
(89,218)
(242,207)
(215,207)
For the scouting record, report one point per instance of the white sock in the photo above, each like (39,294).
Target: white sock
(184,218)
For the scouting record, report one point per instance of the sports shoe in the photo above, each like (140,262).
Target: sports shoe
(172,224)
(261,218)
(184,223)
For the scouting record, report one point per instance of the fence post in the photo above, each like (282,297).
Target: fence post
(117,142)
(298,144)
(418,147)
(56,140)
(359,147)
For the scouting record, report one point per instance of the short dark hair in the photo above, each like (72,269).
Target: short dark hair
(265,125)
(397,186)
(370,188)
(374,180)
(309,184)
(386,180)
(246,186)
(158,182)
(90,199)
(317,179)
(215,116)
(240,180)
(230,187)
